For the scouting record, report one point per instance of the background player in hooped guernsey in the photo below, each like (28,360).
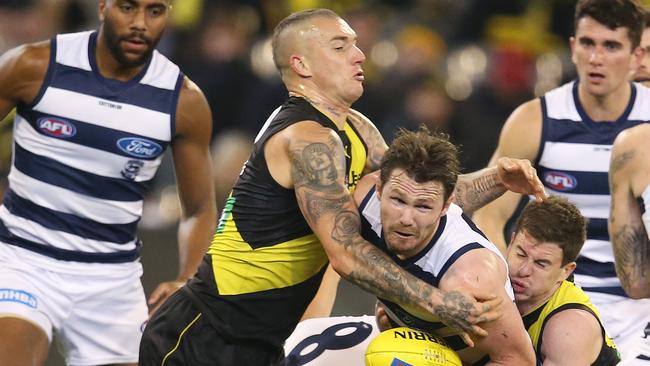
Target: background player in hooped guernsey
(569,133)
(563,324)
(290,213)
(407,211)
(95,111)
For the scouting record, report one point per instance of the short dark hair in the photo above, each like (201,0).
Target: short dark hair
(557,221)
(424,156)
(614,14)
(646,19)
(291,20)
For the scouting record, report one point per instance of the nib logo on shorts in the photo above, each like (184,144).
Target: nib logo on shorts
(20,296)
(398,362)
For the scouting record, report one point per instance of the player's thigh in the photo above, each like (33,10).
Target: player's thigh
(30,306)
(22,343)
(106,322)
(180,334)
(169,336)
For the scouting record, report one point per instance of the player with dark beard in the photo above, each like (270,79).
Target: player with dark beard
(95,112)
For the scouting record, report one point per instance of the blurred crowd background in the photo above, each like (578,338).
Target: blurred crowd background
(458,66)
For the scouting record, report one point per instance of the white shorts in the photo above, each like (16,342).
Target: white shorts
(97,311)
(340,340)
(627,321)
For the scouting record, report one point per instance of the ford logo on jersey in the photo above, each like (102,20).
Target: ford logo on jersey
(139,147)
(560,181)
(56,127)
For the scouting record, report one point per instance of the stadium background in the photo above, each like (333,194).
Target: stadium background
(459,66)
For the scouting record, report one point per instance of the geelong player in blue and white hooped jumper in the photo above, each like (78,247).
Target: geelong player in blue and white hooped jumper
(95,112)
(569,133)
(407,211)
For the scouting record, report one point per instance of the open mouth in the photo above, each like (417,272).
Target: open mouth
(403,234)
(359,76)
(596,77)
(642,78)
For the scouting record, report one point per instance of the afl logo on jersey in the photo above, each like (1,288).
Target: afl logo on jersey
(560,181)
(56,127)
(139,147)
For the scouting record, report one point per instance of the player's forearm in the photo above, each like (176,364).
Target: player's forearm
(632,255)
(369,268)
(376,273)
(475,190)
(194,237)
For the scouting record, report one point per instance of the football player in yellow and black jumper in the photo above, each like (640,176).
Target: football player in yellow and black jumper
(290,213)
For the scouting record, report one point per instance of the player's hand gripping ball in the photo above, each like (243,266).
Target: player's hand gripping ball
(408,347)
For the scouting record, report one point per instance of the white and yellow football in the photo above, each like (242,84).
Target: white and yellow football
(408,347)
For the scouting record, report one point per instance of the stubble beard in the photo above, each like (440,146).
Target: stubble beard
(113,44)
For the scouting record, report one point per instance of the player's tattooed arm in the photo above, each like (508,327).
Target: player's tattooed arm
(318,178)
(372,138)
(632,254)
(317,173)
(477,189)
(453,308)
(628,233)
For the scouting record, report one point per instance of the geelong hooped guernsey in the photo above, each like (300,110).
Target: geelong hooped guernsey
(84,152)
(455,236)
(573,162)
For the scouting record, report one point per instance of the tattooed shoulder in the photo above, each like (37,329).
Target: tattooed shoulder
(620,161)
(372,138)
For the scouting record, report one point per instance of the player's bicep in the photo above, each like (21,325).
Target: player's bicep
(318,174)
(521,134)
(190,148)
(623,163)
(482,272)
(626,228)
(520,138)
(571,338)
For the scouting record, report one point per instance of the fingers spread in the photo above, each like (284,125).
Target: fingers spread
(478,331)
(467,339)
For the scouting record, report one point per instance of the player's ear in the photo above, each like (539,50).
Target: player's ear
(512,238)
(567,270)
(572,46)
(447,204)
(100,9)
(637,57)
(299,65)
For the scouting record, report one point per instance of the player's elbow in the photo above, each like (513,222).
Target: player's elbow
(341,264)
(517,350)
(637,290)
(528,356)
(517,358)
